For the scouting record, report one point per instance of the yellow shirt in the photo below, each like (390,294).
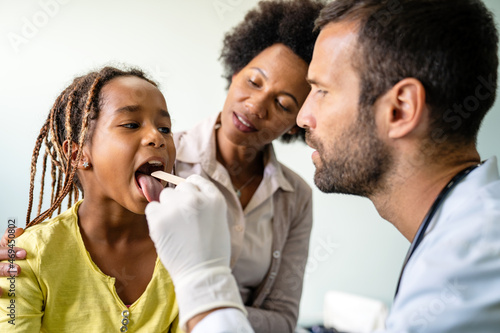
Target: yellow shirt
(60,289)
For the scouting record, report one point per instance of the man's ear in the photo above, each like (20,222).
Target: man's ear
(84,162)
(405,108)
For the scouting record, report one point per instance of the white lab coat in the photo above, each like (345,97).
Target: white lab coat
(452,281)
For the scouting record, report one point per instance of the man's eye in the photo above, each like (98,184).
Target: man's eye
(164,130)
(321,92)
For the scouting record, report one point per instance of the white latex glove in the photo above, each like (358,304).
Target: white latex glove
(190,231)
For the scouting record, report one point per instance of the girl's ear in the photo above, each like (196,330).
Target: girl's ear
(84,162)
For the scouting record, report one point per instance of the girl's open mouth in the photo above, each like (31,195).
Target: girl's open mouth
(150,186)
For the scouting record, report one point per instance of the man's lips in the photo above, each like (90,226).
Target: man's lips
(242,123)
(310,144)
(315,153)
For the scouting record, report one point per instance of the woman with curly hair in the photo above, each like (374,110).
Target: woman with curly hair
(265,58)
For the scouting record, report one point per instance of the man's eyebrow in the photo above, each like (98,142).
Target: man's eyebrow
(312,81)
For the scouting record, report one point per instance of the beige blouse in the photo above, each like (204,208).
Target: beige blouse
(261,232)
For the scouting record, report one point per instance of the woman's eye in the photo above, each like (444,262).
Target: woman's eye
(131,125)
(253,83)
(281,106)
(164,130)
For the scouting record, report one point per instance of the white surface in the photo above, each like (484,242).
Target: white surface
(178,42)
(352,313)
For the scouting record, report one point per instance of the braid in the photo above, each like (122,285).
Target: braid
(42,186)
(70,197)
(53,169)
(34,158)
(76,195)
(70,119)
(54,129)
(67,127)
(59,188)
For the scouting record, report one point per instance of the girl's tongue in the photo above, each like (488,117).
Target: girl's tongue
(150,187)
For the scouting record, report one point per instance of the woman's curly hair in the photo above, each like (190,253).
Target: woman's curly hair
(277,21)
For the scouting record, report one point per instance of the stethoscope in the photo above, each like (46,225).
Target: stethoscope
(428,218)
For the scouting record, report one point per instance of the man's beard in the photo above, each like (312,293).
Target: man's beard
(357,163)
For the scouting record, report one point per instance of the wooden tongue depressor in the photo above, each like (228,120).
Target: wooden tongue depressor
(167,177)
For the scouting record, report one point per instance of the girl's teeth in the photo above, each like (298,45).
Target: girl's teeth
(155,162)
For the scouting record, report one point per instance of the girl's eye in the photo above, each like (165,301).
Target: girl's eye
(131,125)
(164,130)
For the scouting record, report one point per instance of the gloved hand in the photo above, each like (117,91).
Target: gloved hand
(191,236)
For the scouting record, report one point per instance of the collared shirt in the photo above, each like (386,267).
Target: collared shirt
(250,228)
(452,281)
(268,263)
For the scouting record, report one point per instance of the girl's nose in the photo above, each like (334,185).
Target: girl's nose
(154,138)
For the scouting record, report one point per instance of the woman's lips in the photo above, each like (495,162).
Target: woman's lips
(242,123)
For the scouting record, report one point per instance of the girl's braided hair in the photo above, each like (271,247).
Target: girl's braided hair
(72,119)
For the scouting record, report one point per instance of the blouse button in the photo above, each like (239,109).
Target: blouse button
(125,321)
(238,228)
(276,254)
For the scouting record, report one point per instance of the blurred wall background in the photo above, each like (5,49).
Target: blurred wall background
(45,43)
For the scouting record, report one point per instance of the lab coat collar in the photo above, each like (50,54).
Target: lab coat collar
(470,186)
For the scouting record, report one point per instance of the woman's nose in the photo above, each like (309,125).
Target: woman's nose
(256,104)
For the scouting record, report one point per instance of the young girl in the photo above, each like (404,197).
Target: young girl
(94,267)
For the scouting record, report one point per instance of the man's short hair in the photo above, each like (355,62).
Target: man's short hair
(450,46)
